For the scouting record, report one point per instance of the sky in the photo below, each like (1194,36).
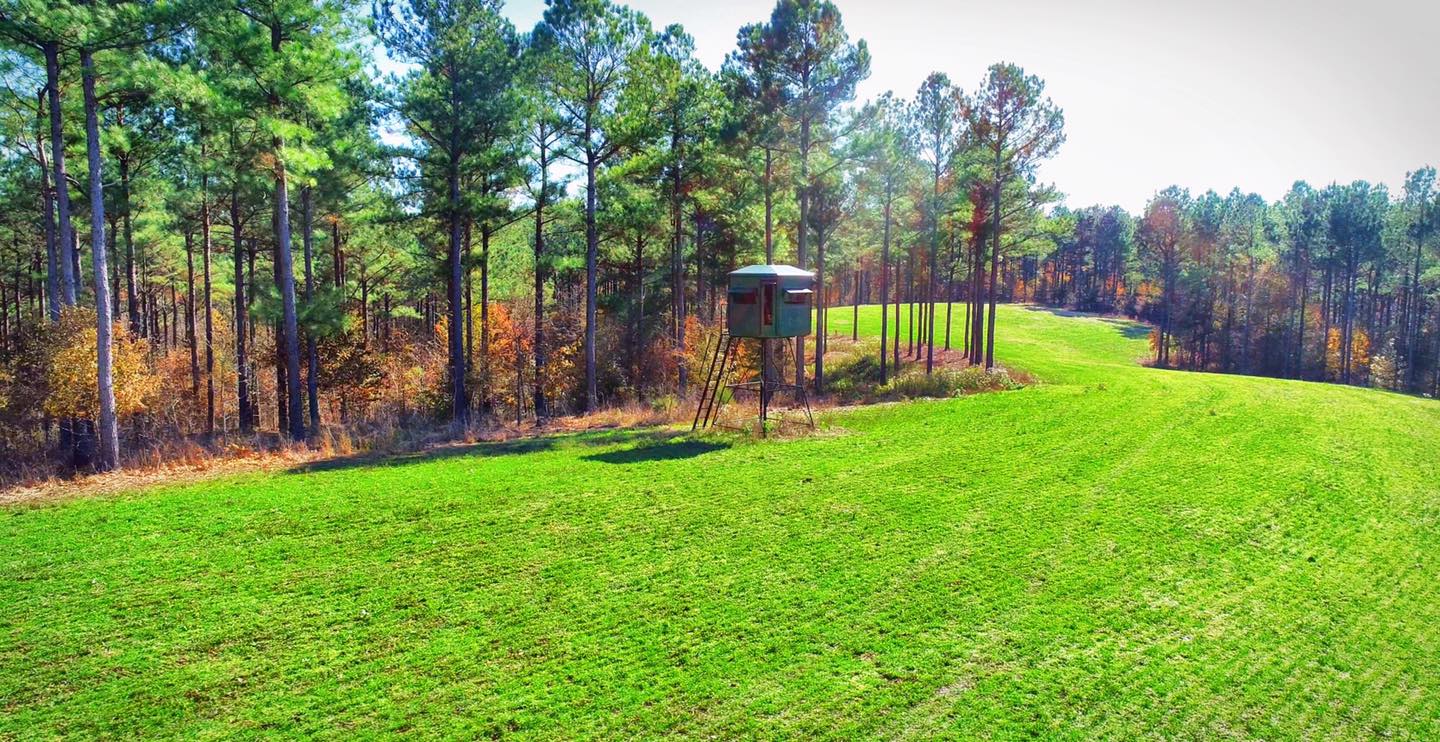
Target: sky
(1218,94)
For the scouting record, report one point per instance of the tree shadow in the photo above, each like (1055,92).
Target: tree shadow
(514,447)
(660,451)
(1131,329)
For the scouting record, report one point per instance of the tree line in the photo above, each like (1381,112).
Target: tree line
(219,220)
(1339,284)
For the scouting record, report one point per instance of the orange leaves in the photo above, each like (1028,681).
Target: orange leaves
(72,371)
(1359,353)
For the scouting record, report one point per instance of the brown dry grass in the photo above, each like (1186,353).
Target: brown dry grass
(142,475)
(186,462)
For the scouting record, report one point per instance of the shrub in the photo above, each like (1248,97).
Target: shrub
(948,383)
(72,373)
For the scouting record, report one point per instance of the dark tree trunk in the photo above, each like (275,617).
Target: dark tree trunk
(820,310)
(174,325)
(677,263)
(969,306)
(855,316)
(1412,350)
(242,318)
(1326,312)
(286,270)
(283,407)
(990,330)
(469,301)
(312,354)
(635,333)
(801,243)
(132,304)
(337,260)
(884,287)
(910,303)
(541,409)
(995,225)
(209,329)
(895,343)
(190,338)
(460,404)
(485,388)
(65,232)
(365,307)
(1300,329)
(592,250)
(769,206)
(930,275)
(700,296)
(47,206)
(977,306)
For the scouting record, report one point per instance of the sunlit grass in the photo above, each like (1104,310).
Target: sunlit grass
(1114,551)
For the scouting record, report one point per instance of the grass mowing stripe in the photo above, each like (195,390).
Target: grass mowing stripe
(1117,551)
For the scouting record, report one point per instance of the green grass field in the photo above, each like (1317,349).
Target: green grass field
(1116,551)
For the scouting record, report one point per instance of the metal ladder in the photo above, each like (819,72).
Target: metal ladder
(722,364)
(724,357)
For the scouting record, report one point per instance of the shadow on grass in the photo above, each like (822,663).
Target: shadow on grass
(660,451)
(1131,329)
(515,447)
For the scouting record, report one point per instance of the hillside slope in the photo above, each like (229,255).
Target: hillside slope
(1115,551)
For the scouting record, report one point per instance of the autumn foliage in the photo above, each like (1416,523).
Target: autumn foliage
(71,370)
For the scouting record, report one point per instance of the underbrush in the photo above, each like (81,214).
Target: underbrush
(949,383)
(153,461)
(853,376)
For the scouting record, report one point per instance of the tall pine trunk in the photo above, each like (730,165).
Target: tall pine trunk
(934,263)
(459,403)
(190,338)
(800,238)
(486,393)
(769,205)
(108,427)
(1412,351)
(1300,329)
(469,298)
(541,410)
(910,349)
(885,284)
(47,206)
(592,251)
(677,264)
(855,315)
(65,233)
(995,222)
(242,319)
(132,300)
(209,329)
(895,344)
(820,310)
(977,306)
(286,269)
(312,354)
(993,297)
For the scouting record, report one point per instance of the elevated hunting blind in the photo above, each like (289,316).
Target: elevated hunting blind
(764,303)
(769,301)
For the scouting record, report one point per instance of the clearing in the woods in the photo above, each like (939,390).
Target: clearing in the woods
(1114,551)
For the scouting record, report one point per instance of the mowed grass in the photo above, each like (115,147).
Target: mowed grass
(1116,551)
